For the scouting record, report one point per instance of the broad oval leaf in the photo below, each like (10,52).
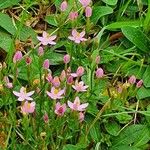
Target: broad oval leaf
(139,39)
(7,24)
(100,11)
(8,3)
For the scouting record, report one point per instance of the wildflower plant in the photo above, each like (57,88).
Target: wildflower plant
(74,76)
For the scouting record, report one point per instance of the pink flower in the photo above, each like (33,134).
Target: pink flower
(28,107)
(139,83)
(73,15)
(60,109)
(79,72)
(76,105)
(81,116)
(79,86)
(63,6)
(66,59)
(49,77)
(99,73)
(23,95)
(55,93)
(28,60)
(132,79)
(46,64)
(47,39)
(85,3)
(46,118)
(40,51)
(56,81)
(8,83)
(88,11)
(77,37)
(17,56)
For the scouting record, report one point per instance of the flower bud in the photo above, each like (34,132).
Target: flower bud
(70,80)
(80,71)
(40,51)
(63,75)
(97,60)
(132,79)
(49,77)
(85,3)
(63,6)
(139,84)
(28,60)
(66,59)
(56,81)
(88,11)
(17,56)
(46,118)
(73,15)
(99,73)
(46,64)
(81,117)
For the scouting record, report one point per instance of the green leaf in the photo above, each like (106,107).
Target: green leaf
(100,11)
(27,32)
(121,24)
(55,58)
(70,147)
(112,128)
(143,93)
(8,3)
(146,77)
(124,147)
(137,37)
(110,2)
(51,19)
(5,41)
(137,135)
(7,24)
(95,132)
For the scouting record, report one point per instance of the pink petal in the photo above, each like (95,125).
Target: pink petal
(82,107)
(83,39)
(77,101)
(74,75)
(44,42)
(64,107)
(30,93)
(52,96)
(82,34)
(71,38)
(74,32)
(40,38)
(20,99)
(61,92)
(33,104)
(52,43)
(44,34)
(70,104)
(77,41)
(51,38)
(28,98)
(16,93)
(57,106)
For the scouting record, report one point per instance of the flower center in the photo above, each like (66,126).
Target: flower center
(28,106)
(60,110)
(56,91)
